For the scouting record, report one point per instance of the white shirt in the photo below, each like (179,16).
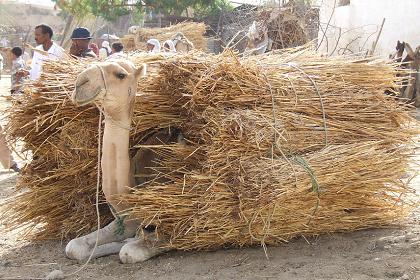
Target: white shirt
(54,53)
(103,53)
(117,55)
(4,42)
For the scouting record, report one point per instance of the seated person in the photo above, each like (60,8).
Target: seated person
(105,50)
(169,46)
(153,46)
(117,51)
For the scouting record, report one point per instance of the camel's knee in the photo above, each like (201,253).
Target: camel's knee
(78,249)
(137,251)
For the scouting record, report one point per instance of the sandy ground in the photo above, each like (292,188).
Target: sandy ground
(368,254)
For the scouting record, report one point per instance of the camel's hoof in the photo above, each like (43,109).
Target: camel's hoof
(77,249)
(135,252)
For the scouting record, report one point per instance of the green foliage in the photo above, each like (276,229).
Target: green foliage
(108,9)
(112,9)
(177,7)
(213,10)
(73,7)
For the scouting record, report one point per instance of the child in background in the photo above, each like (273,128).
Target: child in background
(17,65)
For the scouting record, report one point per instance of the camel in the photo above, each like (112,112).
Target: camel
(134,29)
(258,41)
(182,44)
(112,86)
(411,88)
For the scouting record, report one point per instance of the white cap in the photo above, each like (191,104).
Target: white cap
(155,43)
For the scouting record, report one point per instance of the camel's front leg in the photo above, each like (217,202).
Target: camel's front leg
(110,241)
(111,237)
(138,251)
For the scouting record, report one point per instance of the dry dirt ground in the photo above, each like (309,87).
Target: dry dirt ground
(369,254)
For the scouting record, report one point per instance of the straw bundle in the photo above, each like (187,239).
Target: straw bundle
(279,146)
(286,29)
(268,201)
(129,42)
(285,145)
(193,31)
(311,99)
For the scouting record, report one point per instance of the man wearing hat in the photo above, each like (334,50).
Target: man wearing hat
(80,43)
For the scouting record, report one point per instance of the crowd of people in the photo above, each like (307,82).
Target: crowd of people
(47,49)
(81,47)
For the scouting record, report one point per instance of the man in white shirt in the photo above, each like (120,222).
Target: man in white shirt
(46,50)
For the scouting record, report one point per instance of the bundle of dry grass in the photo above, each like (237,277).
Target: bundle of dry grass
(272,200)
(284,145)
(285,28)
(193,31)
(279,146)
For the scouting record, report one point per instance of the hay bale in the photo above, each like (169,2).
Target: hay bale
(284,27)
(272,200)
(279,146)
(129,42)
(286,145)
(193,31)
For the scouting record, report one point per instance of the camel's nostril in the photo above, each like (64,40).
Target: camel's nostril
(82,82)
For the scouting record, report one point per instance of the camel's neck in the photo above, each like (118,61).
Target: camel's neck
(115,155)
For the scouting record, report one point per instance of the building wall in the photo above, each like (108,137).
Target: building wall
(353,28)
(24,18)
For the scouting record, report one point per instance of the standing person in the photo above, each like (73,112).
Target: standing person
(153,45)
(18,64)
(6,158)
(46,50)
(1,64)
(105,50)
(117,51)
(80,43)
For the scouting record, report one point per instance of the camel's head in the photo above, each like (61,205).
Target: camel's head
(111,84)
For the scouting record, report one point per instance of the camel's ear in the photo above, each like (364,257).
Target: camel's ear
(141,71)
(409,50)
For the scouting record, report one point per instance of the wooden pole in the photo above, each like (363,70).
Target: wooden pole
(66,29)
(377,38)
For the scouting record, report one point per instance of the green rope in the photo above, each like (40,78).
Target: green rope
(119,221)
(315,186)
(302,162)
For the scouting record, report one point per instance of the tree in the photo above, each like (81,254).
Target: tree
(112,9)
(177,7)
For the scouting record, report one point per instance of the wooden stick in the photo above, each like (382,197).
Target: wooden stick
(377,38)
(35,49)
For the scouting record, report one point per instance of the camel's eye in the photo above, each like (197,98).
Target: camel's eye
(121,76)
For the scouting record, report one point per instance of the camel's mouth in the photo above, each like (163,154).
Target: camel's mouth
(82,97)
